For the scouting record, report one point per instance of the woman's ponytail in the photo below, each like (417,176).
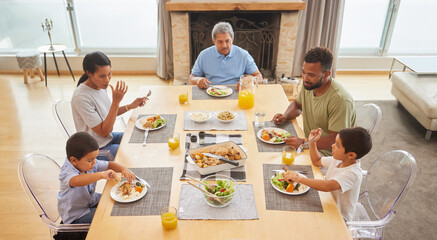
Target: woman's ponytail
(90,63)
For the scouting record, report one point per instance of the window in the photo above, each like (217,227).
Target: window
(112,26)
(389,27)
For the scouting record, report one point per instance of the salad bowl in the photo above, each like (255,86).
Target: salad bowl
(220,190)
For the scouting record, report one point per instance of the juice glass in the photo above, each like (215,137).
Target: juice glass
(174,141)
(288,155)
(169,218)
(183,98)
(246,99)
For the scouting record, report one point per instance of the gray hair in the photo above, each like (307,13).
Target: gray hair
(222,27)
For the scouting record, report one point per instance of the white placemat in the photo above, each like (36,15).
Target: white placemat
(193,206)
(239,123)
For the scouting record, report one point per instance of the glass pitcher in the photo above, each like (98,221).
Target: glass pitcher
(246,95)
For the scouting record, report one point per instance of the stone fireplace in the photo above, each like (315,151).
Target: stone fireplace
(267,30)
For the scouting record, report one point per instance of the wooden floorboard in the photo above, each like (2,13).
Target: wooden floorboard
(27,125)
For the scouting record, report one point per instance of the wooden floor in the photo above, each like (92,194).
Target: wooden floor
(27,126)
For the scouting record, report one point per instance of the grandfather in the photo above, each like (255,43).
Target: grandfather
(323,102)
(224,63)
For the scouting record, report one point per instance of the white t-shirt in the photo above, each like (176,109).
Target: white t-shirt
(349,179)
(90,108)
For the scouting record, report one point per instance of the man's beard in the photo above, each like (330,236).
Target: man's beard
(317,85)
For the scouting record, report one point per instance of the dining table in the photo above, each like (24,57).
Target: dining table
(269,224)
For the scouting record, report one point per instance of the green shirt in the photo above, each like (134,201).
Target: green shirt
(333,111)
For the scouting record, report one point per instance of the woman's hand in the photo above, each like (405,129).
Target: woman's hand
(119,91)
(138,102)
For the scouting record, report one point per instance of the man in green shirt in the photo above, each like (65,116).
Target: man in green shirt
(323,102)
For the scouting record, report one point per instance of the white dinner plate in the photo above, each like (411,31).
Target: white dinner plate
(225,88)
(120,199)
(139,125)
(260,133)
(290,193)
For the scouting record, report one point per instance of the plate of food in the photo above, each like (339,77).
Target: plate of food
(219,91)
(124,192)
(273,135)
(293,188)
(154,122)
(226,116)
(199,116)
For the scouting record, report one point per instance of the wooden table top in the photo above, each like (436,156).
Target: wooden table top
(271,224)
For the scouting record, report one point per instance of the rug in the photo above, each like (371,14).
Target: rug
(417,216)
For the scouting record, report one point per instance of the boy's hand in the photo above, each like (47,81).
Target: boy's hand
(130,176)
(294,141)
(291,176)
(108,174)
(317,133)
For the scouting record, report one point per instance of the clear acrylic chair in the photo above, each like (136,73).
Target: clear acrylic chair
(369,117)
(38,175)
(64,116)
(388,180)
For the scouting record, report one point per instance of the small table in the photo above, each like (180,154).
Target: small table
(419,65)
(56,48)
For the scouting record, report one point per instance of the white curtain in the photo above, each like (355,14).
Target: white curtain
(319,26)
(164,56)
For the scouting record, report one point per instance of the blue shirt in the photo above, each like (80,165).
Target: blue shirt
(75,202)
(223,70)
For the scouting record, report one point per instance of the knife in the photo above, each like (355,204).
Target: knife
(222,159)
(140,179)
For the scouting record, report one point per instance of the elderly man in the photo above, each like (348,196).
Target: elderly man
(224,63)
(323,102)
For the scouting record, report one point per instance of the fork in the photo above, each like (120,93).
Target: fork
(149,93)
(146,133)
(300,148)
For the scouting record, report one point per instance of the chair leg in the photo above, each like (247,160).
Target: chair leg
(25,76)
(32,74)
(428,134)
(41,76)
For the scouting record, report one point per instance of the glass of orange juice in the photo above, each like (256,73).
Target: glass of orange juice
(288,155)
(174,141)
(169,218)
(246,99)
(183,98)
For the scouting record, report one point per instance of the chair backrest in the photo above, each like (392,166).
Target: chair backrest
(64,116)
(369,117)
(38,176)
(388,181)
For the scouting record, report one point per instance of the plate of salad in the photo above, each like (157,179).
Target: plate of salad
(273,135)
(125,192)
(219,91)
(280,185)
(153,122)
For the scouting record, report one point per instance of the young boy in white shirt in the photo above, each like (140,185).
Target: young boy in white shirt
(77,200)
(344,175)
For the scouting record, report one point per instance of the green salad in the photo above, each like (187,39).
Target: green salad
(224,190)
(278,180)
(159,122)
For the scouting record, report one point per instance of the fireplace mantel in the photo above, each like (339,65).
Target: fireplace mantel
(179,14)
(190,6)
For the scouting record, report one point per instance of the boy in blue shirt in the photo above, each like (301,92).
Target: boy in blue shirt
(77,200)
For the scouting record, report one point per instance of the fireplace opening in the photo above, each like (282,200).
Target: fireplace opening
(256,32)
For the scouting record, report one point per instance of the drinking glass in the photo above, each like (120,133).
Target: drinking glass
(259,119)
(288,155)
(183,97)
(174,141)
(169,218)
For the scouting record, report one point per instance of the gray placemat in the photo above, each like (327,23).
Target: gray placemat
(213,123)
(192,205)
(157,197)
(265,147)
(238,173)
(156,136)
(307,202)
(200,94)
